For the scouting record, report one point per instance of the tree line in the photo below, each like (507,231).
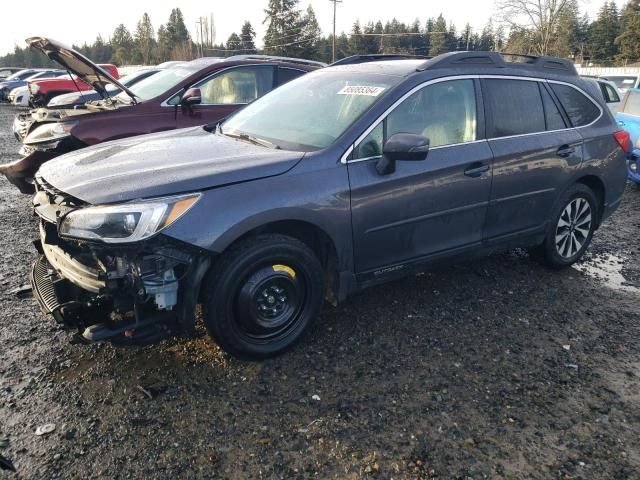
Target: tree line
(558,28)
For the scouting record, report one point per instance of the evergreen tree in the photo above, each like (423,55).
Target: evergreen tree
(356,40)
(566,42)
(520,40)
(487,39)
(309,34)
(100,52)
(379,40)
(234,43)
(499,39)
(602,34)
(163,46)
(451,39)
(283,30)
(122,45)
(247,38)
(466,39)
(628,41)
(176,29)
(438,37)
(145,39)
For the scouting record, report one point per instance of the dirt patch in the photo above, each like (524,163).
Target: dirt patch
(496,368)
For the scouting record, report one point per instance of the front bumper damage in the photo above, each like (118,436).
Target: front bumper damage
(129,295)
(21,172)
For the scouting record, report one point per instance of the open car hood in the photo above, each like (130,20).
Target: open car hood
(77,63)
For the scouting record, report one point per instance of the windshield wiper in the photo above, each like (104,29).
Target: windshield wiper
(250,138)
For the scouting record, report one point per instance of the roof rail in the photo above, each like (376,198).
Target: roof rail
(500,60)
(375,57)
(301,61)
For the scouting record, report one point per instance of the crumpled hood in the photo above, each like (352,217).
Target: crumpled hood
(162,164)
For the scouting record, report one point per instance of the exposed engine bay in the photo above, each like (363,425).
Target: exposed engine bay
(133,294)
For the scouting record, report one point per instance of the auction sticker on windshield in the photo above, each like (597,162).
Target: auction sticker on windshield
(361,90)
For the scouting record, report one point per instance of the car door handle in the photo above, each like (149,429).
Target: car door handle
(476,169)
(565,151)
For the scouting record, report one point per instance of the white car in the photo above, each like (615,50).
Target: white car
(623,82)
(610,93)
(19,96)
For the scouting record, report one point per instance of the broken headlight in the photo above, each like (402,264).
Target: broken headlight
(50,132)
(126,222)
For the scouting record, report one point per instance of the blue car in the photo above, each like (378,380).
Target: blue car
(628,117)
(21,78)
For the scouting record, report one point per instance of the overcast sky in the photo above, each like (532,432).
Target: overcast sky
(81,23)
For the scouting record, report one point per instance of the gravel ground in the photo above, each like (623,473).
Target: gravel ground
(496,368)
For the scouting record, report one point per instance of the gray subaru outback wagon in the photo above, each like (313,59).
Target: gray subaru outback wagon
(346,177)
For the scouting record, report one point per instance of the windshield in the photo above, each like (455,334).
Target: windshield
(623,82)
(311,112)
(20,75)
(157,84)
(42,75)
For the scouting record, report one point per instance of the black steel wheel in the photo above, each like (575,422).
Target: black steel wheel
(263,295)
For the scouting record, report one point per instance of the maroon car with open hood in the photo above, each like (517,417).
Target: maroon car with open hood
(202,91)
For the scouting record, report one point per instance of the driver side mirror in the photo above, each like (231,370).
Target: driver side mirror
(193,96)
(402,146)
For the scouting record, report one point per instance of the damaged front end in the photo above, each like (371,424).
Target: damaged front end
(127,293)
(45,134)
(47,131)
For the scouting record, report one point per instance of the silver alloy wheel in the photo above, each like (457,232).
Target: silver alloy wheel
(573,227)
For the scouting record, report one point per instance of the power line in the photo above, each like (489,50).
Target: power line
(265,48)
(395,34)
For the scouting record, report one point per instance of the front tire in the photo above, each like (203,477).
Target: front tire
(263,295)
(571,228)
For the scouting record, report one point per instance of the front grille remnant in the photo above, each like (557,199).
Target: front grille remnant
(42,284)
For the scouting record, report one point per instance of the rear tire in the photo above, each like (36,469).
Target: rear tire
(571,227)
(263,295)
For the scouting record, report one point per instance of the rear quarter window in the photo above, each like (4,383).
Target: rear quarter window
(579,108)
(287,74)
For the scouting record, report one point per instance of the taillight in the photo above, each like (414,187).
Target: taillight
(623,139)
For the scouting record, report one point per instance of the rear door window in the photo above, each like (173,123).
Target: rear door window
(580,109)
(515,107)
(237,86)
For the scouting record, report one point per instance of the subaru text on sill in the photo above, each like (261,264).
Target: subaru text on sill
(341,179)
(193,93)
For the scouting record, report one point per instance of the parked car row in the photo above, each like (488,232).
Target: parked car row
(22,77)
(259,186)
(185,94)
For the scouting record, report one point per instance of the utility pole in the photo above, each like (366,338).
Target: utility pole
(199,23)
(333,54)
